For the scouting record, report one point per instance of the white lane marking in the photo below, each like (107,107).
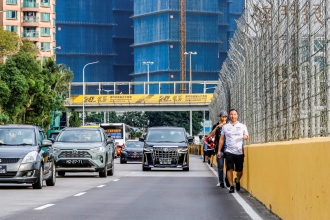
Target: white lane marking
(248,209)
(44,206)
(130,173)
(116,180)
(100,186)
(80,194)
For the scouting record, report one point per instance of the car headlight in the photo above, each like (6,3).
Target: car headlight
(30,157)
(147,149)
(97,149)
(55,149)
(183,150)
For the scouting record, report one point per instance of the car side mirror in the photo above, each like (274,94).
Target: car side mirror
(141,139)
(51,139)
(46,143)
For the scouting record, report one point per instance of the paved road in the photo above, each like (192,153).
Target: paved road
(129,194)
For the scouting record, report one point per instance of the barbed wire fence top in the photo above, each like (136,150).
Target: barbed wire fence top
(276,74)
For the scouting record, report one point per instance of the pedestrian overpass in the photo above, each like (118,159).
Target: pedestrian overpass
(95,100)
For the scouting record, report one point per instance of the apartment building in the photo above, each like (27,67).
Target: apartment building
(31,19)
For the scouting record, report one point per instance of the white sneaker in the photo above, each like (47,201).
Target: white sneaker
(218,185)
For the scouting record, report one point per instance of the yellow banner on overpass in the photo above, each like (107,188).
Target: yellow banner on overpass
(142,99)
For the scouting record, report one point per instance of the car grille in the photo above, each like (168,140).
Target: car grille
(8,175)
(76,154)
(165,152)
(8,160)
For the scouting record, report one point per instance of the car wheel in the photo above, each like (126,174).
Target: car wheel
(52,180)
(111,172)
(61,173)
(146,169)
(186,169)
(104,172)
(38,184)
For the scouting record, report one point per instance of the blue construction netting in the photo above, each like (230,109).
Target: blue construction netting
(123,38)
(142,7)
(89,31)
(84,11)
(156,38)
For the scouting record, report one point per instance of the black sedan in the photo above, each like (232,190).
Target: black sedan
(132,151)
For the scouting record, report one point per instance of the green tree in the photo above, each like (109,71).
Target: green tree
(95,117)
(134,119)
(29,47)
(28,93)
(180,119)
(113,118)
(74,120)
(9,43)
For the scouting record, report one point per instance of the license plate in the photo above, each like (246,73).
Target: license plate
(165,161)
(74,162)
(3,169)
(135,155)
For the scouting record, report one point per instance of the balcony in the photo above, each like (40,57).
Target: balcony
(45,4)
(11,2)
(30,19)
(30,5)
(30,34)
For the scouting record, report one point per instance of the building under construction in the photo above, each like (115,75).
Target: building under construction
(89,31)
(102,30)
(209,25)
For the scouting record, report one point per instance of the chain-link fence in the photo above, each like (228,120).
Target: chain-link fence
(276,74)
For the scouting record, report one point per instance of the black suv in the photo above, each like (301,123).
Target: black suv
(26,156)
(165,147)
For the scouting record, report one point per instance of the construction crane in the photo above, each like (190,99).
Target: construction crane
(182,44)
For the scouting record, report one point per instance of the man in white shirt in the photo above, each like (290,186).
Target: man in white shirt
(234,133)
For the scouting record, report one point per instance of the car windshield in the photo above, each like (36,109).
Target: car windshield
(17,136)
(134,144)
(53,135)
(79,135)
(166,135)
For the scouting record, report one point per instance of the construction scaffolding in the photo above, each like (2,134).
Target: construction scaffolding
(277,71)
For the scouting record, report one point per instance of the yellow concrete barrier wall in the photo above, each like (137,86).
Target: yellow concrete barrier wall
(291,178)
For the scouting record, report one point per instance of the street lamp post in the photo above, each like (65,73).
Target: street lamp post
(148,63)
(83,98)
(42,54)
(190,69)
(190,84)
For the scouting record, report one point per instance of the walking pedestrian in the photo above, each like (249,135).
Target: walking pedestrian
(235,133)
(216,131)
(209,140)
(205,149)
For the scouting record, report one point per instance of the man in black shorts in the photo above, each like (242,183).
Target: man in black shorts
(235,133)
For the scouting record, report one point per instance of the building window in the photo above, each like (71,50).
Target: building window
(11,14)
(45,31)
(11,2)
(54,36)
(11,28)
(54,22)
(45,17)
(45,45)
(45,2)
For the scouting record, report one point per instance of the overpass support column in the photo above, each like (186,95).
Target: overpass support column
(190,123)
